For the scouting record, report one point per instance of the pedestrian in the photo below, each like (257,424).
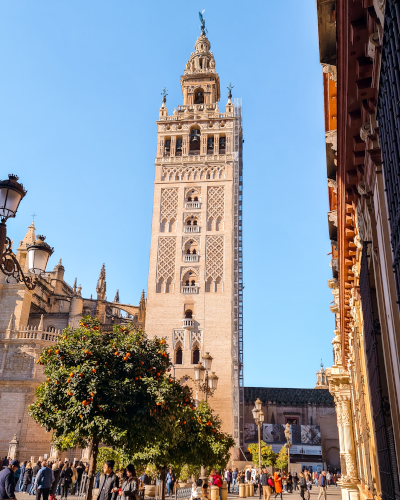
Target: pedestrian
(290,482)
(266,488)
(65,480)
(229,479)
(248,475)
(284,483)
(21,477)
(74,478)
(5,462)
(197,490)
(108,489)
(7,480)
(302,484)
(215,480)
(295,481)
(328,478)
(271,484)
(28,477)
(144,478)
(79,469)
(44,480)
(235,487)
(278,484)
(170,479)
(309,486)
(334,479)
(130,486)
(322,485)
(56,474)
(17,475)
(204,493)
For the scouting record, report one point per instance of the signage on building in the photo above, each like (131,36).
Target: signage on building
(303,437)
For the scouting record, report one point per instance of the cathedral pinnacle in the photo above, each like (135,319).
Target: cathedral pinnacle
(116,298)
(101,284)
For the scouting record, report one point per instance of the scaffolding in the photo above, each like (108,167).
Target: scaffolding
(237,341)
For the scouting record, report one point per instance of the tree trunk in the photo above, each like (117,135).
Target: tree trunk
(163,483)
(92,467)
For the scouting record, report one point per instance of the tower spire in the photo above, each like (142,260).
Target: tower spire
(101,284)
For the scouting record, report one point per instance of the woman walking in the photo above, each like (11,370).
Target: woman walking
(278,484)
(27,479)
(53,488)
(65,480)
(302,484)
(130,485)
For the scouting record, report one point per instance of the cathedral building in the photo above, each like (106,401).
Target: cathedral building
(195,274)
(358,45)
(30,321)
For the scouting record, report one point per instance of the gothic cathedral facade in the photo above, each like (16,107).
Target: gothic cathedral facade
(195,275)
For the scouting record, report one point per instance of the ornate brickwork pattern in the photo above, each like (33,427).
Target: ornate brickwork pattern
(166,258)
(169,204)
(187,215)
(179,338)
(196,339)
(193,172)
(186,239)
(192,269)
(215,202)
(214,257)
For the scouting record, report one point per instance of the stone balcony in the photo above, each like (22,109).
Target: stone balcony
(191,229)
(192,204)
(191,257)
(188,323)
(190,289)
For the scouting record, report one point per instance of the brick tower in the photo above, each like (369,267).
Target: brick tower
(195,274)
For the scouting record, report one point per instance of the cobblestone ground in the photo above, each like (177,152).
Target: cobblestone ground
(332,493)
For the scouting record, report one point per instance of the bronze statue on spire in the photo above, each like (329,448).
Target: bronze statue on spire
(203,23)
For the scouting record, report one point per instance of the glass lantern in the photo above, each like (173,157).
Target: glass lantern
(198,372)
(207,361)
(11,193)
(38,256)
(212,381)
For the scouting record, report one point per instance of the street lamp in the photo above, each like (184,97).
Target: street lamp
(259,419)
(288,436)
(205,382)
(11,194)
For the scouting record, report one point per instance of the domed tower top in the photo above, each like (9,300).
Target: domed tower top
(200,82)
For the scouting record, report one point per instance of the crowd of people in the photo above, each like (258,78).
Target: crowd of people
(47,479)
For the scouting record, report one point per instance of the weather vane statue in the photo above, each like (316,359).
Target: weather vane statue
(164,94)
(203,23)
(230,87)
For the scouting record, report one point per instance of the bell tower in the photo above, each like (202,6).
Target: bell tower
(195,275)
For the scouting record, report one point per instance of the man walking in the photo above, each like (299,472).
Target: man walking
(229,479)
(322,485)
(7,481)
(108,489)
(266,488)
(234,480)
(44,480)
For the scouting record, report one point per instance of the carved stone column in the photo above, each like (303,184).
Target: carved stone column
(339,387)
(13,448)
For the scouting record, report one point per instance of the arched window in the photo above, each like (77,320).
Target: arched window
(195,140)
(188,313)
(190,198)
(195,356)
(187,283)
(179,356)
(194,222)
(222,144)
(193,283)
(178,151)
(194,251)
(168,286)
(210,145)
(199,93)
(196,198)
(188,251)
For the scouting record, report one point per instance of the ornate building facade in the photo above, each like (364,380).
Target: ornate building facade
(358,43)
(195,273)
(31,320)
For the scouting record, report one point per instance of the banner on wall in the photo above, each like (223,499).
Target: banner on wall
(274,434)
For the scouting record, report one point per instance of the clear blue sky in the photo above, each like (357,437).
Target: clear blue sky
(79,97)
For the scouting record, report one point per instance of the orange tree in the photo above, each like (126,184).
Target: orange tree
(107,387)
(195,438)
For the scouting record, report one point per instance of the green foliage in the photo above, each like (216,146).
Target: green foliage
(195,439)
(107,385)
(267,455)
(106,453)
(185,472)
(282,458)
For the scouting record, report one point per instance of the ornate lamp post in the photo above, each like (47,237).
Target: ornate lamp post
(11,194)
(288,435)
(205,382)
(258,415)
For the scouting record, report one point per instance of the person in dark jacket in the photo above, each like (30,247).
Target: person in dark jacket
(56,473)
(130,486)
(44,480)
(229,479)
(28,476)
(170,480)
(302,484)
(108,489)
(290,483)
(65,479)
(35,471)
(266,488)
(7,481)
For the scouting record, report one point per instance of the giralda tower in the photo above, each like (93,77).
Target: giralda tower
(195,275)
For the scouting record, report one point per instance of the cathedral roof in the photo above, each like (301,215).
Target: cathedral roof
(289,397)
